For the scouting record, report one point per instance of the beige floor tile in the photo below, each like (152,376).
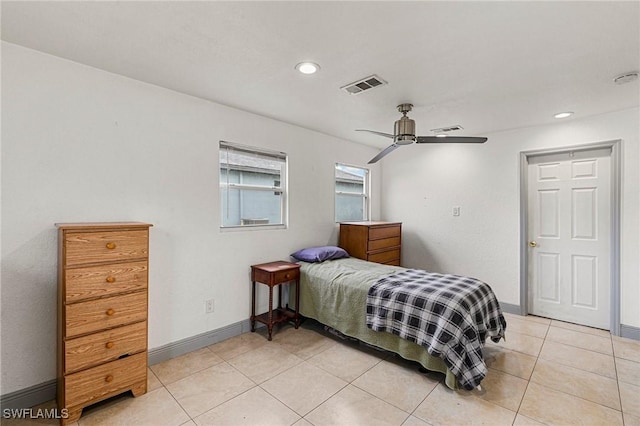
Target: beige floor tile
(628,371)
(581,328)
(265,362)
(526,421)
(303,387)
(209,388)
(583,359)
(414,421)
(583,384)
(353,406)
(397,383)
(502,389)
(185,365)
(254,407)
(189,423)
(630,420)
(519,342)
(511,362)
(554,407)
(580,340)
(153,382)
(446,407)
(626,348)
(537,319)
(302,342)
(630,395)
(302,422)
(153,408)
(345,361)
(519,324)
(231,348)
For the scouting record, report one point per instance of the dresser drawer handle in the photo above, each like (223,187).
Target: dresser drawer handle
(111,279)
(109,345)
(109,378)
(111,246)
(110,312)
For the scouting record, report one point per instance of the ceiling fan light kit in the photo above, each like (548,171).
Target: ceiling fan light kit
(404,133)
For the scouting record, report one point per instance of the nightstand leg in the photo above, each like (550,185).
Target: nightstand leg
(253,306)
(270,325)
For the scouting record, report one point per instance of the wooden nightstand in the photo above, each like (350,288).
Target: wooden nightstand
(274,274)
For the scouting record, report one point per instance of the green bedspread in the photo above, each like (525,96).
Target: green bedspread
(334,293)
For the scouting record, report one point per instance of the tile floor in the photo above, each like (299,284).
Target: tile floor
(546,372)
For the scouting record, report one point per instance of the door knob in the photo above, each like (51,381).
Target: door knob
(533,244)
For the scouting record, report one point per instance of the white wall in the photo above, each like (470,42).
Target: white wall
(422,183)
(80,144)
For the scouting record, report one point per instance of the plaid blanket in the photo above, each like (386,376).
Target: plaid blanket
(450,315)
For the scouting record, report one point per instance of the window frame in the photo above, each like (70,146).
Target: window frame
(274,189)
(365,195)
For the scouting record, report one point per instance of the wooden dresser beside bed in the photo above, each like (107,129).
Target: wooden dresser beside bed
(379,242)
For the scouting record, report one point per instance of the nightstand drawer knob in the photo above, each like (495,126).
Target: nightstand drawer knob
(287,275)
(110,312)
(109,345)
(111,279)
(111,246)
(109,378)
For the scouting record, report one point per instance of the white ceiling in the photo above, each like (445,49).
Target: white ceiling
(487,66)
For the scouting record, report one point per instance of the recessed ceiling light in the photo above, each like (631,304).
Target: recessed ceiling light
(563,114)
(307,67)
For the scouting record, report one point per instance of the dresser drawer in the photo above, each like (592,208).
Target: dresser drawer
(108,246)
(386,256)
(96,315)
(106,379)
(98,348)
(383,243)
(104,280)
(377,233)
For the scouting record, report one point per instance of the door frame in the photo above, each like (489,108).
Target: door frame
(616,181)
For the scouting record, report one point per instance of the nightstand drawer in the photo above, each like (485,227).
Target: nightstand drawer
(384,256)
(284,276)
(98,348)
(377,233)
(109,246)
(104,280)
(383,243)
(106,379)
(95,315)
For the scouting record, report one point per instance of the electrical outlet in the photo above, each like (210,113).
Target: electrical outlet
(456,211)
(209,306)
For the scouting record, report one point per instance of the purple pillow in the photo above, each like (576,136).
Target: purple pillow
(320,254)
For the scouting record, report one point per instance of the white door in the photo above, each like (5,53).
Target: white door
(569,229)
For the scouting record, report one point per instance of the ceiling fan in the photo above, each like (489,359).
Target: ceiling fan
(405,134)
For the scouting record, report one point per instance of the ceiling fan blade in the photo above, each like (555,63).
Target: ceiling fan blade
(384,152)
(386,135)
(450,139)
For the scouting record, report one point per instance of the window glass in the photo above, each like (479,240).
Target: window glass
(352,193)
(252,186)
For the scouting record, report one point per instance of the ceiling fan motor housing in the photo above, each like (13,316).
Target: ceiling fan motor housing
(405,131)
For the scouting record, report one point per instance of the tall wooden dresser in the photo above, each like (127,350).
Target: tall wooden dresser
(379,242)
(102,312)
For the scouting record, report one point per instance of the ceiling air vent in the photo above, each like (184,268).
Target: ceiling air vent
(447,129)
(364,84)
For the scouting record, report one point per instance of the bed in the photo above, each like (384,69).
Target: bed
(341,294)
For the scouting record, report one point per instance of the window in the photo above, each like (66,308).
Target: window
(252,186)
(352,193)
